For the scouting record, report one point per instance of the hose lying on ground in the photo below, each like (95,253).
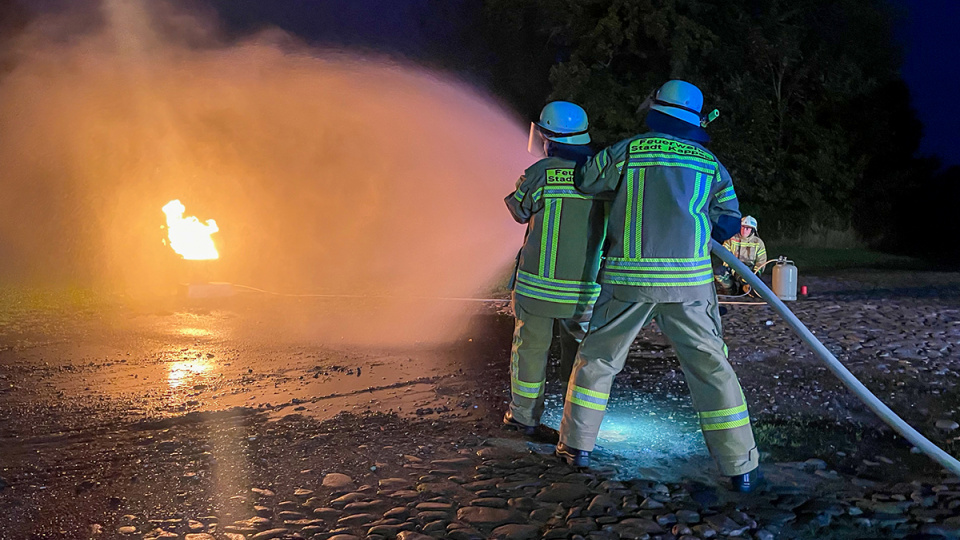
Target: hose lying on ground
(838,369)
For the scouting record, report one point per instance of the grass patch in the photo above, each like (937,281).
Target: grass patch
(822,259)
(21,304)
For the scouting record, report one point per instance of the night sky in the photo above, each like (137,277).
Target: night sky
(428,31)
(931,36)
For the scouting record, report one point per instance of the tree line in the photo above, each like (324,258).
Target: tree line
(816,125)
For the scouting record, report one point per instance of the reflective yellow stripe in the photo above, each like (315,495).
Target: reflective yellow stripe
(587,404)
(525,389)
(725,425)
(591,393)
(724,412)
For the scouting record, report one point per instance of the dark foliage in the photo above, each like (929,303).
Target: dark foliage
(816,125)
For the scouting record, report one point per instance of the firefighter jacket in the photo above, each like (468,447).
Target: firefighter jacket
(670,196)
(558,263)
(749,250)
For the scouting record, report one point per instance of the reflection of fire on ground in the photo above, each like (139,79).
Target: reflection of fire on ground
(187,372)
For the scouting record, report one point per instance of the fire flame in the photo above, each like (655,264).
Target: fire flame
(189,236)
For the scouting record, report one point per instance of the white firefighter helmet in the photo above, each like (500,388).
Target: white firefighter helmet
(680,100)
(560,121)
(749,221)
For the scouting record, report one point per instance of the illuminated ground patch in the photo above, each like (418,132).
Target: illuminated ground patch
(640,426)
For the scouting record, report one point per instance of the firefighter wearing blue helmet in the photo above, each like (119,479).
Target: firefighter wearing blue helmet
(670,197)
(557,266)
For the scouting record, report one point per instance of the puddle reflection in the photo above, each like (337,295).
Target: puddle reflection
(189,371)
(193,332)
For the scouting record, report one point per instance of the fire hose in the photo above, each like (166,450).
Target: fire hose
(852,383)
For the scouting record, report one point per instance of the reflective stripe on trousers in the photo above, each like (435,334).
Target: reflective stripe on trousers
(695,332)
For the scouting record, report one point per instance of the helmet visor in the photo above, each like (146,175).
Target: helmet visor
(537,141)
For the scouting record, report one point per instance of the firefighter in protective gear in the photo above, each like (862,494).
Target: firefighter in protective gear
(671,196)
(557,265)
(747,246)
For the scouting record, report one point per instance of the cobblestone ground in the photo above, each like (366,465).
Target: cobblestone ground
(301,442)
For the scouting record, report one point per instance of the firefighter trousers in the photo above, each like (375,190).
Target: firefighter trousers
(694,329)
(532,336)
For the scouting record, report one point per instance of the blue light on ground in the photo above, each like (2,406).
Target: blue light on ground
(641,426)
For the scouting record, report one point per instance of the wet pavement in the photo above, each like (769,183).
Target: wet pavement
(216,420)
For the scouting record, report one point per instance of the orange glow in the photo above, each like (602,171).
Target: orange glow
(189,236)
(187,372)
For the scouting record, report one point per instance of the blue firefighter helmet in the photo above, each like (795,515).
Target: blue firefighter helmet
(680,100)
(564,122)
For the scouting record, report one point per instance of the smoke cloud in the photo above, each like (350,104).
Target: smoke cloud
(326,172)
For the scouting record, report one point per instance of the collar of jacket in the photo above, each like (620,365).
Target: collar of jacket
(665,123)
(578,153)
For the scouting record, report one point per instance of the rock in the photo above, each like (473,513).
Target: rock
(600,505)
(160,534)
(542,514)
(394,484)
(427,517)
(583,525)
(487,517)
(287,514)
(705,531)
(522,503)
(688,516)
(491,502)
(302,493)
(942,529)
(351,497)
(263,492)
(269,534)
(356,520)
(764,534)
(198,536)
(435,526)
(646,525)
(405,495)
(666,519)
(364,506)
(456,462)
(234,536)
(481,484)
(413,535)
(434,507)
(517,532)
(650,504)
(127,530)
(723,524)
(437,488)
(400,512)
(344,537)
(465,534)
(337,481)
(947,425)
(562,492)
(327,514)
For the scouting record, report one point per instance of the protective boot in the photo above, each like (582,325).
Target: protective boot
(746,482)
(538,433)
(573,456)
